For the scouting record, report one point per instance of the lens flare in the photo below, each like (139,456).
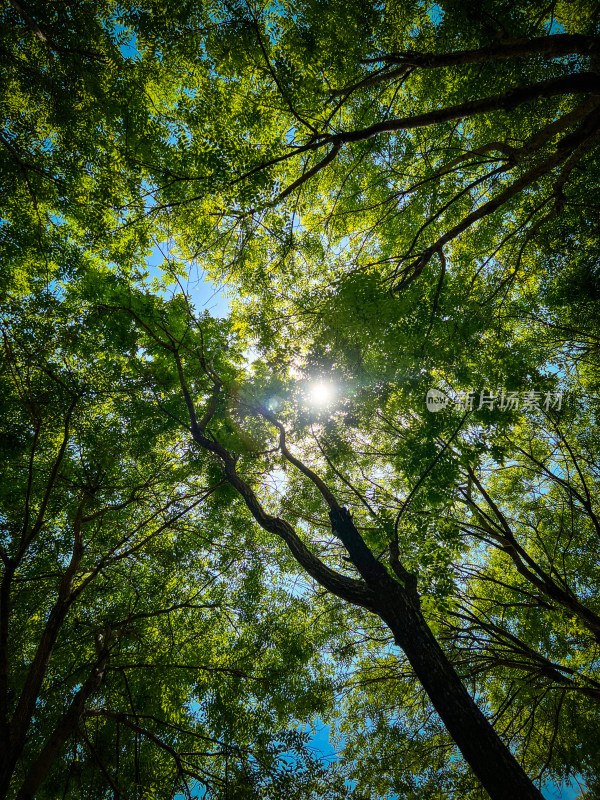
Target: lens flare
(321,393)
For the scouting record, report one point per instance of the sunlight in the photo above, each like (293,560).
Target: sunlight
(321,393)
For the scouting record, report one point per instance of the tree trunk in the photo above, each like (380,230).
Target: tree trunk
(489,758)
(65,728)
(398,606)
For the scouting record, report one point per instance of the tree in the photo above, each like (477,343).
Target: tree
(390,593)
(548,567)
(322,159)
(137,625)
(438,132)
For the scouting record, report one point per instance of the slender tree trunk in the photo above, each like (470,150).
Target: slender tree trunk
(4,624)
(17,729)
(489,758)
(25,710)
(65,728)
(398,606)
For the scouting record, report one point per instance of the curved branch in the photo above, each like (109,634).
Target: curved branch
(553,46)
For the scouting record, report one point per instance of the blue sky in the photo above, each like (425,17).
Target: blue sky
(321,742)
(203,293)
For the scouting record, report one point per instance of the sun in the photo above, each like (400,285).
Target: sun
(321,393)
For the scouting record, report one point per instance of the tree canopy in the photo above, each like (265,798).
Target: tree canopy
(365,499)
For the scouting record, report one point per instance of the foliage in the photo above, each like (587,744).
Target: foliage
(401,195)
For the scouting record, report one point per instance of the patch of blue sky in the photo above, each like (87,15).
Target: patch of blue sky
(127,41)
(202,293)
(567,790)
(555,25)
(436,13)
(321,741)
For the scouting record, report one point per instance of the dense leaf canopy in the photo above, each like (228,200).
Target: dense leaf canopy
(219,535)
